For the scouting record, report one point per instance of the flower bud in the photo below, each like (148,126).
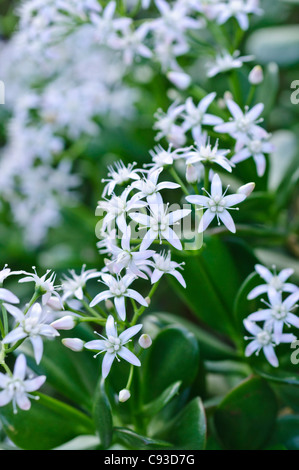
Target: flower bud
(256,75)
(191,174)
(148,300)
(246,189)
(75,344)
(228,96)
(124,395)
(180,79)
(109,305)
(64,323)
(55,304)
(145,341)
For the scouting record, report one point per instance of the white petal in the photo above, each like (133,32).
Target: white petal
(38,348)
(127,334)
(34,384)
(291,300)
(129,356)
(172,238)
(257,291)
(228,221)
(111,327)
(14,335)
(271,356)
(252,327)
(23,402)
(234,109)
(251,348)
(5,398)
(96,345)
(216,189)
(156,276)
(264,272)
(285,274)
(102,296)
(20,367)
(107,363)
(8,296)
(205,221)
(120,307)
(138,297)
(179,277)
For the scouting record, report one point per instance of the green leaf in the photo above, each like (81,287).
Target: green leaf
(174,356)
(102,415)
(72,374)
(212,282)
(211,347)
(268,90)
(137,442)
(280,377)
(275,44)
(151,409)
(48,424)
(287,432)
(187,431)
(245,418)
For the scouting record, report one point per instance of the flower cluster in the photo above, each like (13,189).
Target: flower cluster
(73,59)
(277,314)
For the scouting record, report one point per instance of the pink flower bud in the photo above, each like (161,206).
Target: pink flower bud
(191,174)
(246,189)
(256,75)
(75,344)
(64,323)
(145,341)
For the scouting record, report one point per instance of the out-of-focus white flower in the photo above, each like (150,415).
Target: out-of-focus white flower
(46,286)
(196,116)
(225,62)
(255,148)
(239,9)
(132,44)
(276,281)
(118,289)
(119,175)
(17,389)
(217,205)
(162,264)
(243,124)
(264,339)
(278,313)
(114,346)
(158,224)
(167,127)
(73,286)
(31,325)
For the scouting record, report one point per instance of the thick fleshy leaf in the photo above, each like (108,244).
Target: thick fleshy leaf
(137,442)
(187,431)
(102,415)
(174,356)
(155,406)
(287,432)
(245,418)
(48,424)
(211,347)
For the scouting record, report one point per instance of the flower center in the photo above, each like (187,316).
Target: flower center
(264,338)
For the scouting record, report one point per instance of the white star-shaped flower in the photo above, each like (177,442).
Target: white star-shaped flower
(119,174)
(276,281)
(217,204)
(196,116)
(114,346)
(17,389)
(47,287)
(162,264)
(264,339)
(158,223)
(279,312)
(73,286)
(32,325)
(118,289)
